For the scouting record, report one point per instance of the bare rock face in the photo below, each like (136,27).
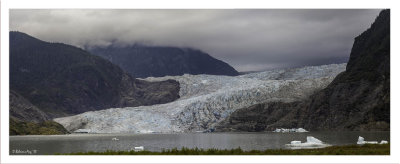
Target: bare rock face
(23,110)
(258,117)
(206,100)
(357,99)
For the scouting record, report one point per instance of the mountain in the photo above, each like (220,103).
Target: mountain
(152,61)
(63,80)
(206,100)
(357,99)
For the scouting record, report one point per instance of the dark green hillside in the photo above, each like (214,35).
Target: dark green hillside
(63,80)
(27,119)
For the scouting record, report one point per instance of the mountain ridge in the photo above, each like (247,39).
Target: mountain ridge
(61,79)
(156,61)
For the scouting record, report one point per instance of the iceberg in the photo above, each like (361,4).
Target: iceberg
(295,142)
(311,139)
(361,141)
(384,142)
(299,130)
(311,143)
(139,148)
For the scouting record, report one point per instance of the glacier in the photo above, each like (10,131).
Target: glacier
(206,100)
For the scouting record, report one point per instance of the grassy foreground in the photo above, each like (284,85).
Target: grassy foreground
(333,150)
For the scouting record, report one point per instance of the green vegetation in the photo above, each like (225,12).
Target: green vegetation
(333,150)
(32,128)
(64,80)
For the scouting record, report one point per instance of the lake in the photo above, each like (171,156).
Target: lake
(43,145)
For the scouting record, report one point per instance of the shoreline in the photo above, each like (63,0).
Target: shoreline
(71,134)
(367,149)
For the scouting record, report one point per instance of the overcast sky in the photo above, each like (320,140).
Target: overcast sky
(248,40)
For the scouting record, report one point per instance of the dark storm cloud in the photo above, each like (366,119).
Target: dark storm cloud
(246,39)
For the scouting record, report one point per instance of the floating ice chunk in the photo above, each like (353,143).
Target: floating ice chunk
(371,142)
(114,139)
(301,130)
(311,139)
(312,142)
(295,142)
(139,148)
(283,130)
(361,141)
(384,142)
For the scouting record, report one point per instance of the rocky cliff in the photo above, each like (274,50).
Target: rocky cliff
(357,99)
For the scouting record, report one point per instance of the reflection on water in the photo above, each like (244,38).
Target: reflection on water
(23,145)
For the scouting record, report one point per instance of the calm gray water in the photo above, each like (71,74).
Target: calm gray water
(37,145)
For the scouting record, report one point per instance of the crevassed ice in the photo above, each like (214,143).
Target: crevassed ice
(205,100)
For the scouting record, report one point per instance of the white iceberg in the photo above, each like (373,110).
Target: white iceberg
(295,142)
(311,139)
(139,148)
(301,130)
(384,142)
(311,143)
(283,130)
(361,141)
